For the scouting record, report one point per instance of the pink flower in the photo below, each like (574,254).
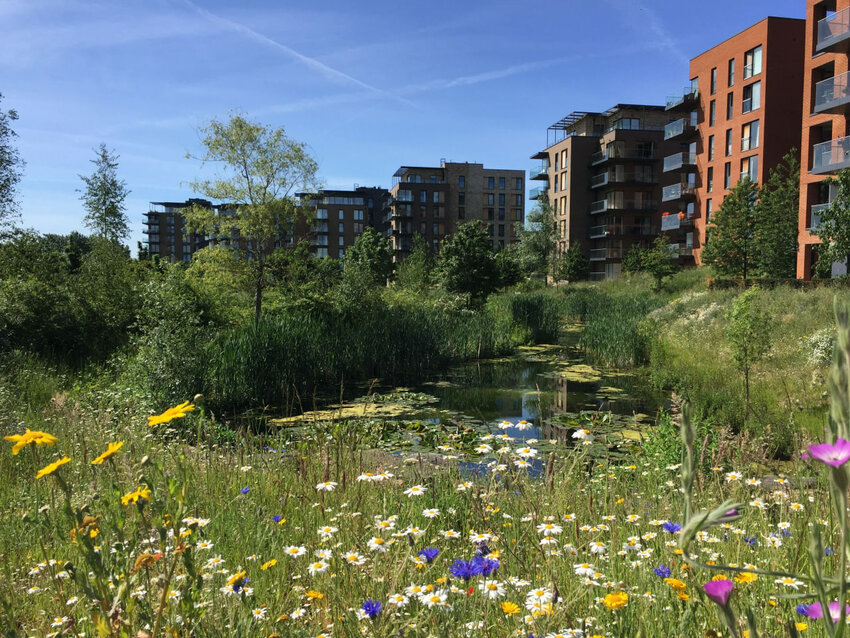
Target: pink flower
(815,610)
(719,590)
(834,454)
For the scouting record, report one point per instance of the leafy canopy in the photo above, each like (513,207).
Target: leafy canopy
(103,197)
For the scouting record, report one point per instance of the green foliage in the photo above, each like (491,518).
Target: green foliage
(372,254)
(415,271)
(573,265)
(219,274)
(834,228)
(11,170)
(731,248)
(659,262)
(508,267)
(633,260)
(537,240)
(748,333)
(103,197)
(776,220)
(467,265)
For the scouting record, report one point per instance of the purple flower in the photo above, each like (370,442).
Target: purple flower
(429,553)
(719,590)
(465,569)
(802,609)
(815,610)
(372,608)
(277,518)
(662,571)
(672,527)
(834,454)
(486,565)
(245,490)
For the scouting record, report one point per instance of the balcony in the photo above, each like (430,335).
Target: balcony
(596,276)
(679,250)
(677,191)
(599,206)
(670,222)
(687,100)
(599,180)
(539,171)
(602,254)
(832,93)
(831,156)
(680,128)
(537,193)
(597,232)
(628,153)
(833,30)
(679,160)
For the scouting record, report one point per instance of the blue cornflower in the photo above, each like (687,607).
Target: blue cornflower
(465,569)
(785,532)
(372,608)
(239,585)
(277,518)
(662,571)
(486,565)
(829,551)
(483,550)
(429,553)
(802,609)
(245,490)
(672,527)
(752,541)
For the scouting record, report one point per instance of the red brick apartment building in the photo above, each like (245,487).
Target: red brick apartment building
(825,134)
(737,118)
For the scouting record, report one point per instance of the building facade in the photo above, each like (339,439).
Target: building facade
(825,134)
(166,234)
(602,174)
(340,216)
(433,201)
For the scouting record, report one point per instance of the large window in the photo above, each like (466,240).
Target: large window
(518,184)
(731,76)
(752,62)
(752,97)
(491,183)
(709,179)
(322,213)
(461,181)
(728,142)
(727,175)
(750,168)
(501,183)
(730,105)
(710,147)
(712,113)
(627,123)
(491,199)
(750,136)
(713,80)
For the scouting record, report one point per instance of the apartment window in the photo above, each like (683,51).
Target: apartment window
(710,147)
(413,178)
(750,168)
(731,75)
(752,62)
(461,199)
(342,227)
(491,183)
(433,179)
(627,123)
(556,183)
(437,197)
(752,97)
(750,136)
(358,228)
(423,197)
(322,213)
(501,199)
(461,212)
(320,227)
(405,196)
(461,181)
(341,253)
(563,181)
(502,213)
(728,142)
(727,175)
(709,179)
(358,215)
(491,213)
(730,105)
(490,229)
(517,200)
(713,80)
(501,230)
(518,184)
(712,113)
(557,158)
(708,210)
(341,240)
(322,240)
(517,214)
(321,252)
(501,183)
(564,159)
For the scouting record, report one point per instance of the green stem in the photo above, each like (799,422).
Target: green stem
(842,592)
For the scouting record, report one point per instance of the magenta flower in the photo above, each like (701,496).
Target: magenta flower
(834,454)
(719,590)
(815,610)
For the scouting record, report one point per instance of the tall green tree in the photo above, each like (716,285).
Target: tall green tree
(748,332)
(372,254)
(659,261)
(261,170)
(11,170)
(467,264)
(414,272)
(834,228)
(731,249)
(574,265)
(538,239)
(776,220)
(103,197)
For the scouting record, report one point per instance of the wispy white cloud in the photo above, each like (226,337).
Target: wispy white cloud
(310,62)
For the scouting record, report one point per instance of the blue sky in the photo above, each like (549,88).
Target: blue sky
(369,86)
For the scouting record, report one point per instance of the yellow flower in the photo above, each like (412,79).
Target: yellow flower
(510,608)
(314,595)
(110,450)
(49,469)
(171,413)
(30,436)
(719,577)
(616,600)
(676,584)
(746,577)
(238,577)
(683,596)
(268,564)
(801,626)
(133,497)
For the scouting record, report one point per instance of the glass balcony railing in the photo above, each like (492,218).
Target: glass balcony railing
(537,193)
(832,92)
(670,222)
(680,127)
(833,29)
(598,231)
(539,171)
(599,180)
(676,191)
(831,156)
(678,160)
(598,254)
(598,206)
(596,276)
(687,98)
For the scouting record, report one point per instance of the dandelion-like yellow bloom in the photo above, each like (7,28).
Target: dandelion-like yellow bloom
(746,577)
(238,577)
(111,449)
(171,413)
(676,584)
(617,600)
(268,564)
(52,467)
(312,594)
(30,436)
(510,608)
(133,497)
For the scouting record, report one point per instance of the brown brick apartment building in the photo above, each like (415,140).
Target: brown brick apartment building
(825,133)
(433,201)
(603,181)
(166,234)
(740,109)
(339,216)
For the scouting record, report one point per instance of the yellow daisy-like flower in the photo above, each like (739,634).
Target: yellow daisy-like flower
(312,594)
(28,437)
(268,564)
(510,608)
(52,467)
(617,600)
(746,577)
(171,413)
(676,584)
(800,626)
(683,596)
(110,450)
(133,497)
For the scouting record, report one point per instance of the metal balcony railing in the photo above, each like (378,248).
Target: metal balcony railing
(688,97)
(832,93)
(670,222)
(681,127)
(536,193)
(599,206)
(539,171)
(596,276)
(678,160)
(676,191)
(599,180)
(833,29)
(831,156)
(598,254)
(596,232)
